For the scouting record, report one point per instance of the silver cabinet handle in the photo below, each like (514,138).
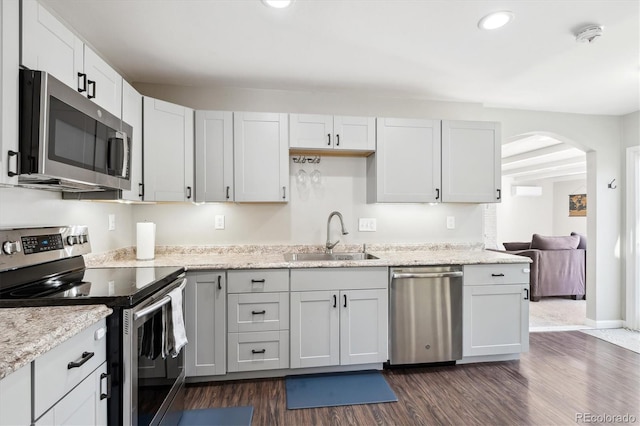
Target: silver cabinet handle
(409,275)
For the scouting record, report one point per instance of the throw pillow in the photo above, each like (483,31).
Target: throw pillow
(568,242)
(583,240)
(517,246)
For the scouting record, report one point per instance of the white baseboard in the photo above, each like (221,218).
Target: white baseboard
(604,324)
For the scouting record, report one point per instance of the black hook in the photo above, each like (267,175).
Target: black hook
(611,186)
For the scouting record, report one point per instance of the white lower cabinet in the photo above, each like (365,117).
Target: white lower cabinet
(495,310)
(70,382)
(205,315)
(258,320)
(15,397)
(84,405)
(341,326)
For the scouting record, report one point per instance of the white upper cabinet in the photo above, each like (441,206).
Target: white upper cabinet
(9,59)
(48,45)
(329,132)
(104,84)
(214,156)
(471,166)
(168,151)
(406,165)
(132,115)
(261,166)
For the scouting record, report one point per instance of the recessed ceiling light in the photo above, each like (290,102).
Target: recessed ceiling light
(278,4)
(495,20)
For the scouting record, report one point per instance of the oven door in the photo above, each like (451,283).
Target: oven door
(152,385)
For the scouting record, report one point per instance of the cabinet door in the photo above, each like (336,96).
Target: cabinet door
(205,316)
(168,151)
(471,162)
(15,394)
(9,69)
(363,326)
(104,84)
(315,329)
(48,45)
(214,156)
(81,406)
(311,131)
(261,166)
(406,165)
(495,319)
(132,115)
(354,133)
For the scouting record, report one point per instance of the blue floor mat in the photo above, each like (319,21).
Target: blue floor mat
(226,416)
(327,390)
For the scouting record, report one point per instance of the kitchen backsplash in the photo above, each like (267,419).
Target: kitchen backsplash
(341,186)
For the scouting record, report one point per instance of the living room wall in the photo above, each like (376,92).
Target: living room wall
(563,224)
(519,217)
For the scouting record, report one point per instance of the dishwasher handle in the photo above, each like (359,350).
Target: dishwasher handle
(409,275)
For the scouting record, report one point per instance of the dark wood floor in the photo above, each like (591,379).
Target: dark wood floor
(565,373)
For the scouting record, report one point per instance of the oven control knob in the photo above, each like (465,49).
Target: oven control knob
(11,247)
(83,238)
(73,240)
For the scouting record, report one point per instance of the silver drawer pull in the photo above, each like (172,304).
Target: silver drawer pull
(86,356)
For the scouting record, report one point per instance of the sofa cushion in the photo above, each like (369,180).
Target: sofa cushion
(583,240)
(517,246)
(542,242)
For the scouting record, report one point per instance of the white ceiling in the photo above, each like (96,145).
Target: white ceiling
(534,158)
(426,49)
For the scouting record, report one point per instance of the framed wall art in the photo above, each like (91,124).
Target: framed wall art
(577,205)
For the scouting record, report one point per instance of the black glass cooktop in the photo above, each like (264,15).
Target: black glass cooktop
(115,287)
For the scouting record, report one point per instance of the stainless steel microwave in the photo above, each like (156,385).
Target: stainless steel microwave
(67,142)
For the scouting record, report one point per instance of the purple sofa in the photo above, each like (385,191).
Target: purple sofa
(559,264)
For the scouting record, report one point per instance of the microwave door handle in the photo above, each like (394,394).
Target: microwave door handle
(125,155)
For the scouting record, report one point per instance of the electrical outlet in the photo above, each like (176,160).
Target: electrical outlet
(112,222)
(219,221)
(451,222)
(366,224)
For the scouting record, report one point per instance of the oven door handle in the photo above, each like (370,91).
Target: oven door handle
(157,305)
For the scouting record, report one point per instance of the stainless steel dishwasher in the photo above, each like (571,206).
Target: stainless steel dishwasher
(425,315)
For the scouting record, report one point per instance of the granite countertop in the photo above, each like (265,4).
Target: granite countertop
(27,333)
(272,256)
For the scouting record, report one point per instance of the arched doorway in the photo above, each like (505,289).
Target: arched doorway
(542,172)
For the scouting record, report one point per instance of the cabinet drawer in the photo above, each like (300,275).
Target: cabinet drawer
(265,350)
(513,273)
(318,279)
(52,379)
(258,281)
(258,312)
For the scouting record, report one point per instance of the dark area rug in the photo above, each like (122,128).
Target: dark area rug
(226,416)
(327,390)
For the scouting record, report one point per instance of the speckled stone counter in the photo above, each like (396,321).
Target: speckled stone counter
(272,256)
(27,333)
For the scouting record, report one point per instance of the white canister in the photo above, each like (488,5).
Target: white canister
(145,240)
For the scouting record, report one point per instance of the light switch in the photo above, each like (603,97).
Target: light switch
(112,222)
(219,221)
(367,224)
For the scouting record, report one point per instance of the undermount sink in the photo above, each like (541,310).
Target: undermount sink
(302,257)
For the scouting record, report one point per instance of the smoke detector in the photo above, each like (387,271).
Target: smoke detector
(590,33)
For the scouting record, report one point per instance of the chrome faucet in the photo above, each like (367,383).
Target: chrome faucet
(331,245)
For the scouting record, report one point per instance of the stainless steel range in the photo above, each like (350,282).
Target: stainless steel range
(45,267)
